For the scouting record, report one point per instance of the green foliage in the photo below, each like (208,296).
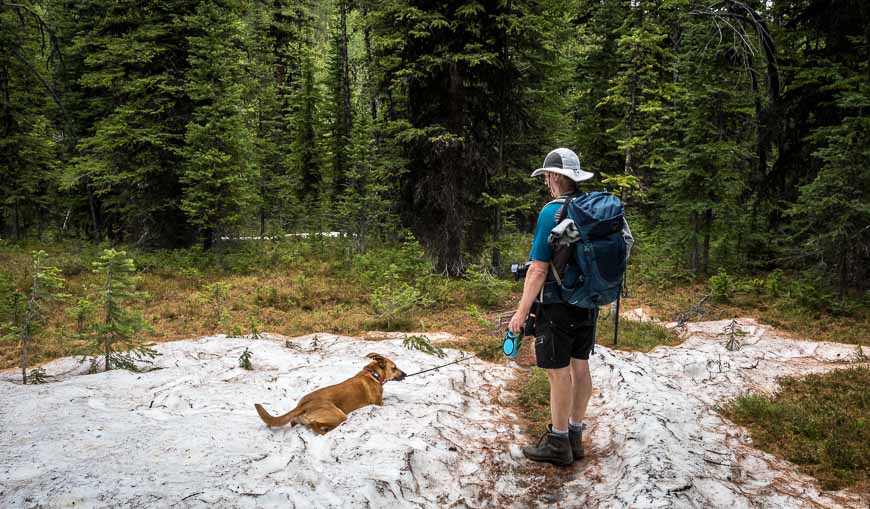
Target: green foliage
(634,335)
(245,359)
(423,344)
(393,303)
(467,93)
(818,422)
(773,283)
(254,326)
(114,331)
(216,295)
(405,262)
(812,290)
(483,288)
(832,207)
(534,397)
(27,308)
(217,175)
(737,143)
(10,300)
(27,104)
(127,61)
(81,312)
(721,286)
(474,312)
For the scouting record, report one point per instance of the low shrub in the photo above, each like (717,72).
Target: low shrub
(721,286)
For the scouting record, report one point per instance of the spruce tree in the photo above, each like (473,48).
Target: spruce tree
(338,77)
(27,101)
(445,93)
(217,174)
(133,64)
(832,207)
(44,286)
(114,330)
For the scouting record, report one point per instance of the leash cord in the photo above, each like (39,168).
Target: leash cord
(454,362)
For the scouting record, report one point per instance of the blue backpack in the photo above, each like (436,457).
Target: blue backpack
(589,255)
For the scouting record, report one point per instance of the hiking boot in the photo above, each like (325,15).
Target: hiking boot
(551,448)
(576,439)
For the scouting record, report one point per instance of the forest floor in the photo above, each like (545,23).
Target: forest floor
(295,288)
(184,432)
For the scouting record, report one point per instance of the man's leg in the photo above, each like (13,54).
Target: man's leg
(555,446)
(581,389)
(561,396)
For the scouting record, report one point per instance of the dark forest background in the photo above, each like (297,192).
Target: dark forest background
(737,132)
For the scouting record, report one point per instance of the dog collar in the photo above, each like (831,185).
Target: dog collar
(378,378)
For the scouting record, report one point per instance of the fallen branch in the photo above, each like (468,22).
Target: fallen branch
(695,310)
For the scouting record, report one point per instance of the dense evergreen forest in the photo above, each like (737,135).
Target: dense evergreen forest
(737,132)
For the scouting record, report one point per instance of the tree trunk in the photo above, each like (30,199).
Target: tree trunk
(93,206)
(26,336)
(345,71)
(844,271)
(262,214)
(694,257)
(207,239)
(373,103)
(16,225)
(28,322)
(708,226)
(107,341)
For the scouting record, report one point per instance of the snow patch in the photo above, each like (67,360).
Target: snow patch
(186,434)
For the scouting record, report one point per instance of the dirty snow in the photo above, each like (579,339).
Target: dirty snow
(657,441)
(186,435)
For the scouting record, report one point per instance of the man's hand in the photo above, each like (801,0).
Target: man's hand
(517,322)
(535,278)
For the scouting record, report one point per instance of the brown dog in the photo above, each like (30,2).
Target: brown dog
(326,408)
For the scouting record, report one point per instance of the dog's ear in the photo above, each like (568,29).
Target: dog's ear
(382,362)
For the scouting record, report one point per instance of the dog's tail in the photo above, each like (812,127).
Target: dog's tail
(277,421)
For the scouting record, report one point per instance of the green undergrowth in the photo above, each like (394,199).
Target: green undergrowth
(534,400)
(290,287)
(634,335)
(820,422)
(799,303)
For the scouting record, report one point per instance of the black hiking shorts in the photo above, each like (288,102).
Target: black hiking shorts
(563,332)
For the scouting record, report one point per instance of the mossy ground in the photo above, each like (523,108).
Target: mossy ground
(820,422)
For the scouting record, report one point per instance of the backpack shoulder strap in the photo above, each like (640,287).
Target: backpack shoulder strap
(563,210)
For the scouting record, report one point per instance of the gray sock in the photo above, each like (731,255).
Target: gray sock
(559,432)
(575,427)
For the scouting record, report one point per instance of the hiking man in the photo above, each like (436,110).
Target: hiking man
(564,333)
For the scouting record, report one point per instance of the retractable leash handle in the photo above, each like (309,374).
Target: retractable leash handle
(512,343)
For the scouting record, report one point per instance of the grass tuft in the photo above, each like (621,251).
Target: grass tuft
(534,399)
(634,335)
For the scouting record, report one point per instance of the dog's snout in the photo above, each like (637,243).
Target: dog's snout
(401,376)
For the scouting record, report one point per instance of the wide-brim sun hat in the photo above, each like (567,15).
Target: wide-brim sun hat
(564,162)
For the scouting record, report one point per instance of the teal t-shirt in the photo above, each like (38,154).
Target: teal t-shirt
(541,249)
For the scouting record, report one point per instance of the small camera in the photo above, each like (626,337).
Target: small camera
(520,269)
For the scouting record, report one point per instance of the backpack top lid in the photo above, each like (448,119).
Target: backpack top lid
(596,206)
